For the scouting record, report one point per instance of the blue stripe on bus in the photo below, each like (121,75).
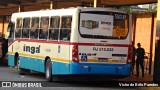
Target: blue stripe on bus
(11,60)
(38,65)
(109,69)
(60,68)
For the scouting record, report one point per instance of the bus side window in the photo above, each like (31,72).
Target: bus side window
(34,28)
(18,28)
(43,34)
(26,28)
(54,28)
(53,34)
(65,31)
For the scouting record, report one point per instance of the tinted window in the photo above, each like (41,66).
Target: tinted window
(18,27)
(66,22)
(103,25)
(65,31)
(34,28)
(26,28)
(54,28)
(55,22)
(43,34)
(19,23)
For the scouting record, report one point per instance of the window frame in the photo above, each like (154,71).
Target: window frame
(65,28)
(18,27)
(40,27)
(100,36)
(52,28)
(28,29)
(37,28)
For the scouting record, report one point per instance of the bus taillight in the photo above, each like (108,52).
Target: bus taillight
(129,58)
(75,53)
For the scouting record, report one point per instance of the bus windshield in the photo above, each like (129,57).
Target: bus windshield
(11,29)
(103,25)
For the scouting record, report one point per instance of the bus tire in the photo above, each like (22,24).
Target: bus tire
(19,69)
(48,70)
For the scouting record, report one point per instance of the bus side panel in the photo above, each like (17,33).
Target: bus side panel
(32,63)
(55,68)
(40,64)
(23,62)
(37,64)
(27,63)
(11,60)
(63,58)
(64,68)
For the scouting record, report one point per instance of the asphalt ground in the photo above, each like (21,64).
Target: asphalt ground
(8,74)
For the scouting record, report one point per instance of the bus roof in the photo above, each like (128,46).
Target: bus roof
(59,12)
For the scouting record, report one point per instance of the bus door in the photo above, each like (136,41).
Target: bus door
(64,44)
(11,32)
(10,40)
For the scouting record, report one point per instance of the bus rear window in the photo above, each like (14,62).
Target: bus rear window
(103,25)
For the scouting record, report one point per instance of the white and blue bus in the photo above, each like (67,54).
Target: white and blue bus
(73,41)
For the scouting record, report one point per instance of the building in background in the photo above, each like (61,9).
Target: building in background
(141,8)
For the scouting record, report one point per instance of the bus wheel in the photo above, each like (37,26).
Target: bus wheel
(19,69)
(48,70)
